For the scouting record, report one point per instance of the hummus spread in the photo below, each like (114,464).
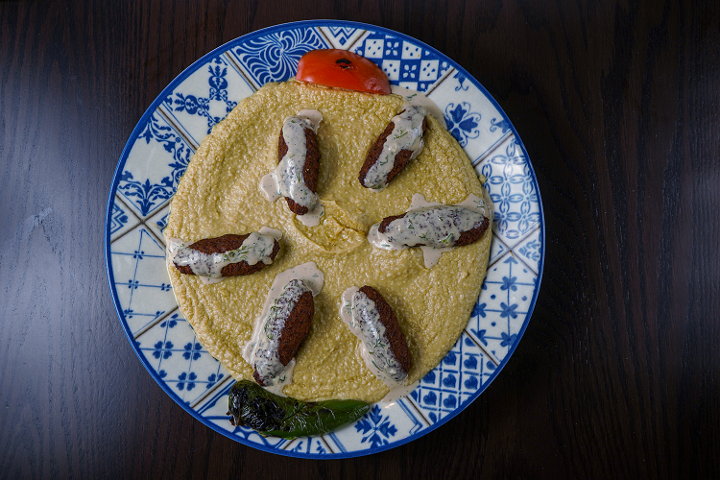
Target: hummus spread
(219,194)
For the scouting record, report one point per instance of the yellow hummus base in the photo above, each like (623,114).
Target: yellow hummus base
(219,194)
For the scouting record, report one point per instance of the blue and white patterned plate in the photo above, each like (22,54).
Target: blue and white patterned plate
(171,130)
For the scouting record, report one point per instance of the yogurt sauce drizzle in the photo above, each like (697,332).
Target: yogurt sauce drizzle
(287,178)
(257,247)
(261,352)
(406,135)
(436,225)
(359,313)
(413,97)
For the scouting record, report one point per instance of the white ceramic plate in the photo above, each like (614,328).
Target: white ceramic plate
(163,143)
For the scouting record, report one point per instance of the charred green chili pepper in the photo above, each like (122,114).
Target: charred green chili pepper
(269,414)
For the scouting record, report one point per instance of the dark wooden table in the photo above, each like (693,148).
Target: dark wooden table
(618,374)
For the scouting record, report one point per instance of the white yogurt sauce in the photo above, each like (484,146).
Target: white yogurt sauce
(261,352)
(434,226)
(413,97)
(287,179)
(257,247)
(397,393)
(361,316)
(406,135)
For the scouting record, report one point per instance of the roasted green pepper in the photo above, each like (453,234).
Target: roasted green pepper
(269,414)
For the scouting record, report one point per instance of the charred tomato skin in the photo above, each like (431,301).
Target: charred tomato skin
(342,69)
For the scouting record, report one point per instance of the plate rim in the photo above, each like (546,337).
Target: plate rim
(192,68)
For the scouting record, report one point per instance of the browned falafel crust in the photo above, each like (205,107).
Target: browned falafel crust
(474,234)
(401,158)
(311,170)
(295,329)
(223,244)
(393,332)
(465,238)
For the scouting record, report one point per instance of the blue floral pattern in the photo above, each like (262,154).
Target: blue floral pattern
(376,428)
(495,322)
(147,195)
(503,124)
(461,87)
(183,365)
(461,122)
(217,92)
(275,57)
(118,218)
(531,250)
(311,445)
(512,190)
(459,375)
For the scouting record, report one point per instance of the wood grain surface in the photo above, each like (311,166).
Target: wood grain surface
(618,373)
